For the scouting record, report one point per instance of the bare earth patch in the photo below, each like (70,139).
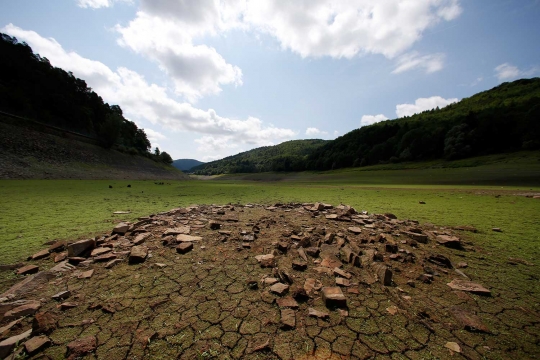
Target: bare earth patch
(331,284)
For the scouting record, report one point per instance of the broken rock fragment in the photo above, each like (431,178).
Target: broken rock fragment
(138,254)
(267,260)
(469,286)
(333,296)
(288,318)
(318,314)
(7,345)
(81,247)
(287,301)
(279,289)
(80,347)
(36,344)
(184,247)
(28,269)
(449,241)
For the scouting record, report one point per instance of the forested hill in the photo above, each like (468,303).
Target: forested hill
(186,164)
(32,88)
(503,119)
(287,156)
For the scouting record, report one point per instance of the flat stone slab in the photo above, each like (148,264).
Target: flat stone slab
(7,345)
(468,320)
(288,318)
(80,247)
(139,239)
(342,273)
(318,314)
(100,251)
(287,301)
(138,254)
(27,309)
(36,344)
(184,248)
(333,296)
(121,228)
(188,238)
(28,269)
(279,288)
(181,230)
(448,241)
(469,286)
(41,255)
(355,230)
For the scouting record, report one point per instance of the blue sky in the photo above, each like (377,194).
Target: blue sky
(209,78)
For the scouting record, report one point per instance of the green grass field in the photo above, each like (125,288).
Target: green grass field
(37,211)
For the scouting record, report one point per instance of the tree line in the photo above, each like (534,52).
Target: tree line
(31,87)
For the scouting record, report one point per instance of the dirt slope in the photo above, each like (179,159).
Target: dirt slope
(29,154)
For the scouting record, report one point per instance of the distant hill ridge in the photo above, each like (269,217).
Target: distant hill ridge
(503,119)
(287,156)
(186,164)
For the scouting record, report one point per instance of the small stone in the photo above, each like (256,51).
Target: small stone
(392,310)
(270,281)
(43,323)
(422,202)
(343,312)
(9,344)
(121,228)
(449,241)
(40,255)
(342,282)
(80,347)
(160,265)
(279,289)
(468,286)
(62,295)
(355,230)
(67,306)
(81,247)
(453,347)
(36,344)
(28,269)
(288,318)
(60,257)
(425,278)
(411,283)
(138,254)
(342,273)
(313,251)
(57,246)
(318,314)
(112,263)
(468,320)
(333,296)
(100,251)
(312,285)
(86,275)
(184,248)
(462,265)
(282,246)
(187,238)
(252,284)
(105,258)
(141,238)
(287,301)
(496,229)
(299,265)
(29,308)
(266,260)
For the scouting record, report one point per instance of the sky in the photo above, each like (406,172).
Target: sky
(207,79)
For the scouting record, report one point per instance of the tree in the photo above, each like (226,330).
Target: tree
(165,158)
(110,130)
(156,151)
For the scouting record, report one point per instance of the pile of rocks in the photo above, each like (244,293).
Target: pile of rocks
(305,252)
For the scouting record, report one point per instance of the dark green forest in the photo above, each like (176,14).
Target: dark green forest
(32,88)
(503,119)
(287,156)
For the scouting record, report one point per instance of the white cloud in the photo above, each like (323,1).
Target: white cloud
(154,136)
(196,70)
(372,119)
(507,71)
(96,4)
(310,131)
(423,104)
(413,60)
(151,102)
(167,32)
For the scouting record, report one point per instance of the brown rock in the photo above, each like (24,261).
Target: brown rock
(282,246)
(40,255)
(185,230)
(299,265)
(333,296)
(421,238)
(287,301)
(342,273)
(121,228)
(425,278)
(342,282)
(57,246)
(462,265)
(331,262)
(36,344)
(279,289)
(30,308)
(468,320)
(312,285)
(62,295)
(288,319)
(141,238)
(81,247)
(496,229)
(302,253)
(104,258)
(86,274)
(355,230)
(214,225)
(266,260)
(43,323)
(449,241)
(138,254)
(318,314)
(80,347)
(67,306)
(270,281)
(112,263)
(100,251)
(187,238)
(9,344)
(313,251)
(184,248)
(384,274)
(440,260)
(60,257)
(28,269)
(468,286)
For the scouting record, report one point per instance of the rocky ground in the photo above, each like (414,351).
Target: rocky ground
(29,154)
(289,281)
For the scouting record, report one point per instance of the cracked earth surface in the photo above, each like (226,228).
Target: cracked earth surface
(214,301)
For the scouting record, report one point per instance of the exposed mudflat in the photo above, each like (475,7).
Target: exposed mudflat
(333,284)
